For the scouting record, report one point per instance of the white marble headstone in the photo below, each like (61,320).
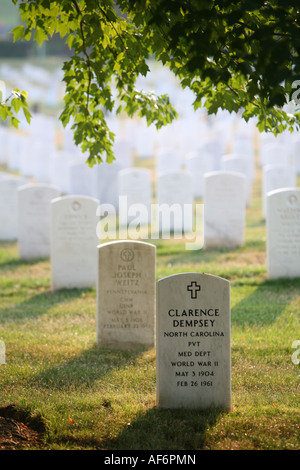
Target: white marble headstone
(198,163)
(224,209)
(126,294)
(74,242)
(34,219)
(193,341)
(135,195)
(107,183)
(275,154)
(59,169)
(239,163)
(83,179)
(168,160)
(276,177)
(283,233)
(175,200)
(9,206)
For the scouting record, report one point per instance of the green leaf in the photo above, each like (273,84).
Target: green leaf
(18,32)
(40,36)
(4,112)
(16,104)
(27,114)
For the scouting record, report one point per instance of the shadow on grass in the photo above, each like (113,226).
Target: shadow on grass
(155,430)
(17,262)
(166,429)
(83,370)
(111,370)
(266,303)
(36,305)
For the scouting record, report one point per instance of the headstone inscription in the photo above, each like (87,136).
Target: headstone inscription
(34,203)
(193,341)
(283,233)
(126,294)
(73,242)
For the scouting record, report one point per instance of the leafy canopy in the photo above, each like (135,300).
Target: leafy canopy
(240,55)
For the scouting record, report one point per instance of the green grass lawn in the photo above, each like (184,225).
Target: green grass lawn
(91,398)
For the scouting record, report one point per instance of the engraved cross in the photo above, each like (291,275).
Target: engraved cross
(193,288)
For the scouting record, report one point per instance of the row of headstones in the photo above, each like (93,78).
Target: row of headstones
(25,213)
(36,154)
(67,228)
(107,182)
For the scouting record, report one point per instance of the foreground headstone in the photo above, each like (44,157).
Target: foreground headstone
(34,219)
(283,233)
(126,294)
(193,341)
(74,242)
(224,209)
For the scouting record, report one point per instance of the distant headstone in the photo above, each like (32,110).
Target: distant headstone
(193,341)
(73,242)
(283,233)
(126,294)
(107,183)
(175,199)
(275,153)
(59,169)
(295,155)
(83,179)
(34,219)
(123,151)
(41,160)
(9,206)
(240,163)
(135,188)
(198,163)
(224,209)
(168,160)
(215,149)
(276,177)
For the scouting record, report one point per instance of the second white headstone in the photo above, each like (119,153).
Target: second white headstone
(74,242)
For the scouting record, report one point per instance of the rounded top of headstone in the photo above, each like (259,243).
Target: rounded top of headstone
(75,200)
(127,244)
